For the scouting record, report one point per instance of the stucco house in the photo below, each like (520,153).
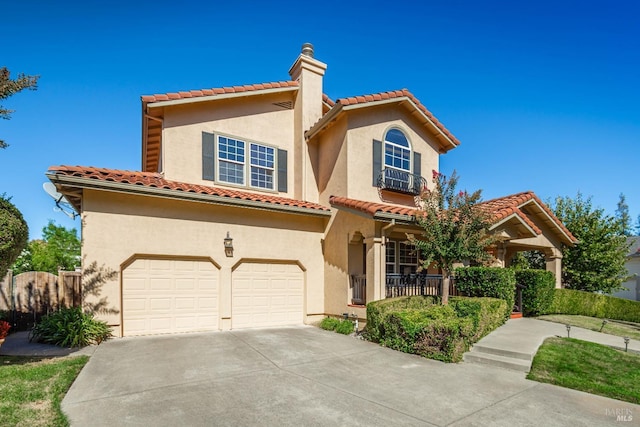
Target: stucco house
(271,204)
(632,284)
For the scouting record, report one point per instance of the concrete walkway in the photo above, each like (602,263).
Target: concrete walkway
(514,344)
(307,376)
(18,344)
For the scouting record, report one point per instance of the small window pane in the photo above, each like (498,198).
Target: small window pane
(397,137)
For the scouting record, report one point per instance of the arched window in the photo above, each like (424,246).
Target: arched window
(397,150)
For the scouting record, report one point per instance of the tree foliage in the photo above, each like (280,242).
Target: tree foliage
(9,87)
(529,260)
(14,234)
(622,214)
(454,228)
(596,262)
(59,249)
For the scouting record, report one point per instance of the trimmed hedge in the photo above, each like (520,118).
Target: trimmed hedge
(537,295)
(493,282)
(377,310)
(570,301)
(418,325)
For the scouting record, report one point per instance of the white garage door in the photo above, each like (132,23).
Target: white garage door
(169,296)
(267,295)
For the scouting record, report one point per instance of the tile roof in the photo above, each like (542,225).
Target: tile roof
(156,180)
(218,91)
(499,209)
(371,208)
(398,94)
(330,102)
(508,205)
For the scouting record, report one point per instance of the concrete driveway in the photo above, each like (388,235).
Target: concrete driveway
(304,376)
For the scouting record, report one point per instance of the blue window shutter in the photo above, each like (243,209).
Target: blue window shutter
(208,156)
(282,170)
(377,161)
(417,167)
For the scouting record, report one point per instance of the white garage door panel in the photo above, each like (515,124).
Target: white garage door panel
(266,294)
(168,296)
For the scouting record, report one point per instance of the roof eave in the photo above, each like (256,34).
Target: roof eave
(179,195)
(517,217)
(208,98)
(567,239)
(338,108)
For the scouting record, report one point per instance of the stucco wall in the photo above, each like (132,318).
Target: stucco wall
(345,152)
(259,121)
(119,226)
(343,229)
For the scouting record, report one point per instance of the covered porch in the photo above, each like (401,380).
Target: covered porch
(382,263)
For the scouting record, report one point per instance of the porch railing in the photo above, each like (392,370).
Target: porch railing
(416,284)
(358,289)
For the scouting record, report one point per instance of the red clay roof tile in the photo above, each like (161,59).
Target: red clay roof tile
(156,180)
(361,99)
(217,91)
(499,209)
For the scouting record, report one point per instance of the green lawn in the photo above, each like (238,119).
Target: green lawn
(588,367)
(612,327)
(31,389)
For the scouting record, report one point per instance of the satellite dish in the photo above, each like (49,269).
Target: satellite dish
(62,204)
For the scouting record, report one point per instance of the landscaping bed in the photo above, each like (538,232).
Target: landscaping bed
(421,325)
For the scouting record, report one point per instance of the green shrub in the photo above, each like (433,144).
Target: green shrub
(416,325)
(377,309)
(329,323)
(345,327)
(569,301)
(485,313)
(490,282)
(70,327)
(537,294)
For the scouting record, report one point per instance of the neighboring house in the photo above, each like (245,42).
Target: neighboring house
(632,285)
(271,204)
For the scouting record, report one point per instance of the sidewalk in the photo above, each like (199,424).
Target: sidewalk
(18,344)
(514,344)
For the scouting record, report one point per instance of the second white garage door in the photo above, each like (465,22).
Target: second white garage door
(265,294)
(163,296)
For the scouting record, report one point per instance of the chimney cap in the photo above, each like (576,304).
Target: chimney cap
(307,50)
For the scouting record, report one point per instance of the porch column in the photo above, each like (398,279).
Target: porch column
(554,265)
(375,268)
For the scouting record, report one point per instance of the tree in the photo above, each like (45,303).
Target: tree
(622,214)
(529,260)
(638,225)
(14,234)
(59,249)
(10,87)
(454,228)
(596,262)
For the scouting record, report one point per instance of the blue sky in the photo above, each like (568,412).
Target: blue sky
(542,95)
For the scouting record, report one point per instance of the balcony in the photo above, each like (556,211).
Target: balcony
(401,182)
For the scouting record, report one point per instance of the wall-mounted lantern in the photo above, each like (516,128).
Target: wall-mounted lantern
(228,246)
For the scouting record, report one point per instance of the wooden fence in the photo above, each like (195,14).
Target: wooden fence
(28,296)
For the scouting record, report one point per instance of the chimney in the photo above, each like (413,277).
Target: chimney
(309,72)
